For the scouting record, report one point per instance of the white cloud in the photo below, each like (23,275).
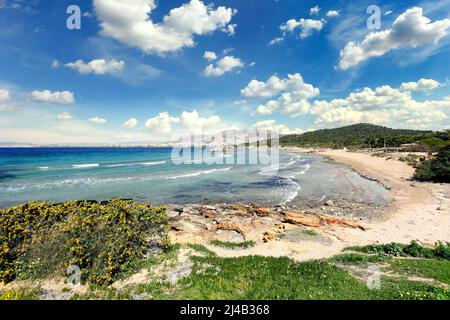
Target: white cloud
(421,85)
(332,13)
(57,97)
(410,29)
(384,105)
(273,86)
(314,10)
(275,41)
(130,23)
(55,64)
(4,95)
(190,121)
(293,100)
(230,29)
(97,66)
(6,107)
(272,125)
(131,123)
(210,55)
(64,116)
(97,120)
(224,65)
(162,123)
(307,26)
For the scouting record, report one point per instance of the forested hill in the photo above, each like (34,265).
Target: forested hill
(361,135)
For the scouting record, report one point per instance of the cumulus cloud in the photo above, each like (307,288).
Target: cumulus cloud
(293,100)
(421,85)
(307,26)
(131,123)
(64,116)
(97,66)
(274,85)
(410,29)
(314,10)
(190,121)
(129,22)
(210,55)
(224,65)
(57,97)
(162,123)
(332,13)
(272,125)
(97,120)
(4,95)
(384,105)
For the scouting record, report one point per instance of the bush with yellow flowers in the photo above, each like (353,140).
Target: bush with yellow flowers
(39,239)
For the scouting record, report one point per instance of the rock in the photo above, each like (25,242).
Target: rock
(312,220)
(184,226)
(229,236)
(173,214)
(329,203)
(268,236)
(230,225)
(208,211)
(260,211)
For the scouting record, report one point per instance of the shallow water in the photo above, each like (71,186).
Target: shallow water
(61,174)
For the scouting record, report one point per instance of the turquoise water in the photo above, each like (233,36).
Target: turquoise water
(61,174)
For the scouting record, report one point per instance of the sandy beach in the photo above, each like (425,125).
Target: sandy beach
(419,211)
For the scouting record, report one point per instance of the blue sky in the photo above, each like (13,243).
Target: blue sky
(138,72)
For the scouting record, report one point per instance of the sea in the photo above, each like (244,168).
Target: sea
(149,174)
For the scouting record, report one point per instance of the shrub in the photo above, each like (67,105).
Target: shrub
(437,169)
(102,239)
(441,250)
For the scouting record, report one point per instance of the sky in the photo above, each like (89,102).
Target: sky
(139,70)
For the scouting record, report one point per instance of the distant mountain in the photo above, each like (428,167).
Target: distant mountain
(362,134)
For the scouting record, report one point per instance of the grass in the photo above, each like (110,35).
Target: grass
(359,259)
(20,294)
(257,277)
(433,269)
(233,245)
(310,232)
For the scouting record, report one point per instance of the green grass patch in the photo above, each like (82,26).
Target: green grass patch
(19,294)
(440,250)
(360,259)
(233,245)
(434,269)
(310,232)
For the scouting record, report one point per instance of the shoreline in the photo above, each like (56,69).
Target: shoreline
(418,211)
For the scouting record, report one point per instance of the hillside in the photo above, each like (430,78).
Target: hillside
(358,135)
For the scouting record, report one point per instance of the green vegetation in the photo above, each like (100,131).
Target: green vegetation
(233,245)
(40,239)
(433,269)
(368,136)
(255,277)
(436,169)
(116,240)
(310,232)
(414,249)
